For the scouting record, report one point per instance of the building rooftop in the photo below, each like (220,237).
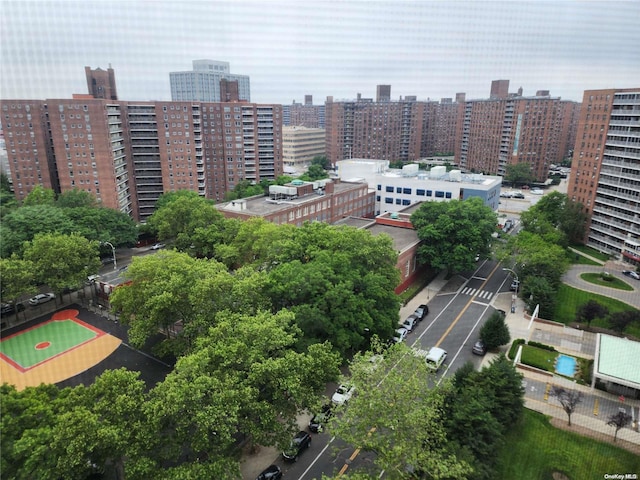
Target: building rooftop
(618,360)
(261,205)
(403,238)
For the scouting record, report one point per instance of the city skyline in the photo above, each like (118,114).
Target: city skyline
(424,48)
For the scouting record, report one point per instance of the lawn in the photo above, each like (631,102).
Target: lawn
(592,252)
(568,299)
(578,259)
(613,282)
(534,450)
(539,358)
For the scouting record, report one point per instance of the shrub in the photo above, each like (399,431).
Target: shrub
(542,345)
(514,347)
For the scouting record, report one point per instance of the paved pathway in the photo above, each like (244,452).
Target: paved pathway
(572,278)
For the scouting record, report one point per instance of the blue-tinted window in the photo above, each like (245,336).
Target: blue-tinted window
(379,187)
(388,200)
(420,191)
(406,202)
(389,188)
(406,191)
(429,193)
(398,189)
(398,201)
(439,194)
(448,195)
(377,198)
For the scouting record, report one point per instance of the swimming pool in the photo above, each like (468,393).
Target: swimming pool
(566,365)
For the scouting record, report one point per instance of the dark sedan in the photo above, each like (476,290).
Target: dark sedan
(272,472)
(300,442)
(319,420)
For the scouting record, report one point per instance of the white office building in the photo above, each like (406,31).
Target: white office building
(396,189)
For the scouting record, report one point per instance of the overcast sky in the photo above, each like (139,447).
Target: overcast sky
(431,49)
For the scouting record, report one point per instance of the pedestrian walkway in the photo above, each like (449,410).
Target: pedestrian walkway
(585,255)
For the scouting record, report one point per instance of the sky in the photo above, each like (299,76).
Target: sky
(431,49)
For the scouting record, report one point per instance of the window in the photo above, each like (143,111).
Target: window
(420,191)
(406,202)
(439,194)
(448,195)
(429,193)
(389,189)
(398,201)
(388,200)
(406,191)
(398,189)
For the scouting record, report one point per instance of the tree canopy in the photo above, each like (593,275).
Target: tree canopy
(519,173)
(454,232)
(495,333)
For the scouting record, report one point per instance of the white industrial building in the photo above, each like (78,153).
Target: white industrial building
(398,188)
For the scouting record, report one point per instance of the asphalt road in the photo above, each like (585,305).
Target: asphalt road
(455,317)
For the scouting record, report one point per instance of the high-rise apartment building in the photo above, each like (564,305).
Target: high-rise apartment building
(127,154)
(101,84)
(300,145)
(499,89)
(513,129)
(605,172)
(440,126)
(307,115)
(383,93)
(203,83)
(362,128)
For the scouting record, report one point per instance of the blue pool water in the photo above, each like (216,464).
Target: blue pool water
(566,365)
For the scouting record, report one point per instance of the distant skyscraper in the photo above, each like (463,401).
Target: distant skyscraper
(605,172)
(383,93)
(202,84)
(101,84)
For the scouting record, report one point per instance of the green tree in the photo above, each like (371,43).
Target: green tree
(242,377)
(179,215)
(535,257)
(338,280)
(620,320)
(76,198)
(396,413)
(5,183)
(321,160)
(314,172)
(519,173)
(22,225)
(453,233)
(17,278)
(495,333)
(104,225)
(39,196)
(539,291)
(62,261)
(556,211)
(589,311)
(158,295)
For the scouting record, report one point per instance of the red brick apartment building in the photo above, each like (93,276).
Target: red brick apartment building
(129,153)
(509,129)
(298,202)
(605,172)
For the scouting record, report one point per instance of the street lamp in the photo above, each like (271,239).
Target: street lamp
(113,250)
(515,275)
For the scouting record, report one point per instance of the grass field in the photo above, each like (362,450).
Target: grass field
(534,450)
(592,252)
(613,282)
(578,259)
(539,358)
(568,299)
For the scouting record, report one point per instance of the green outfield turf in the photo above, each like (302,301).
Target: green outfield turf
(31,347)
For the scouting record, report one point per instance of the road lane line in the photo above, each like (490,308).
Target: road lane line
(464,310)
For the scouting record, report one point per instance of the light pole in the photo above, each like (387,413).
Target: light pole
(113,250)
(513,299)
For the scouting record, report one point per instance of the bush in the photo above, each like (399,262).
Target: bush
(542,345)
(514,347)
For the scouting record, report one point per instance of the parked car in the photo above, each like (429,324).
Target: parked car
(342,394)
(272,472)
(157,246)
(319,420)
(11,308)
(505,194)
(107,260)
(300,442)
(537,191)
(479,348)
(632,274)
(421,312)
(519,195)
(41,298)
(514,286)
(410,323)
(435,358)
(400,335)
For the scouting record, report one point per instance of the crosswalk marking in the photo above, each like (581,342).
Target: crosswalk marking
(475,292)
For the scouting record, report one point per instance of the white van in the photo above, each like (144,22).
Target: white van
(435,358)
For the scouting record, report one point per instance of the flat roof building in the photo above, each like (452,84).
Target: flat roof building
(300,145)
(203,83)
